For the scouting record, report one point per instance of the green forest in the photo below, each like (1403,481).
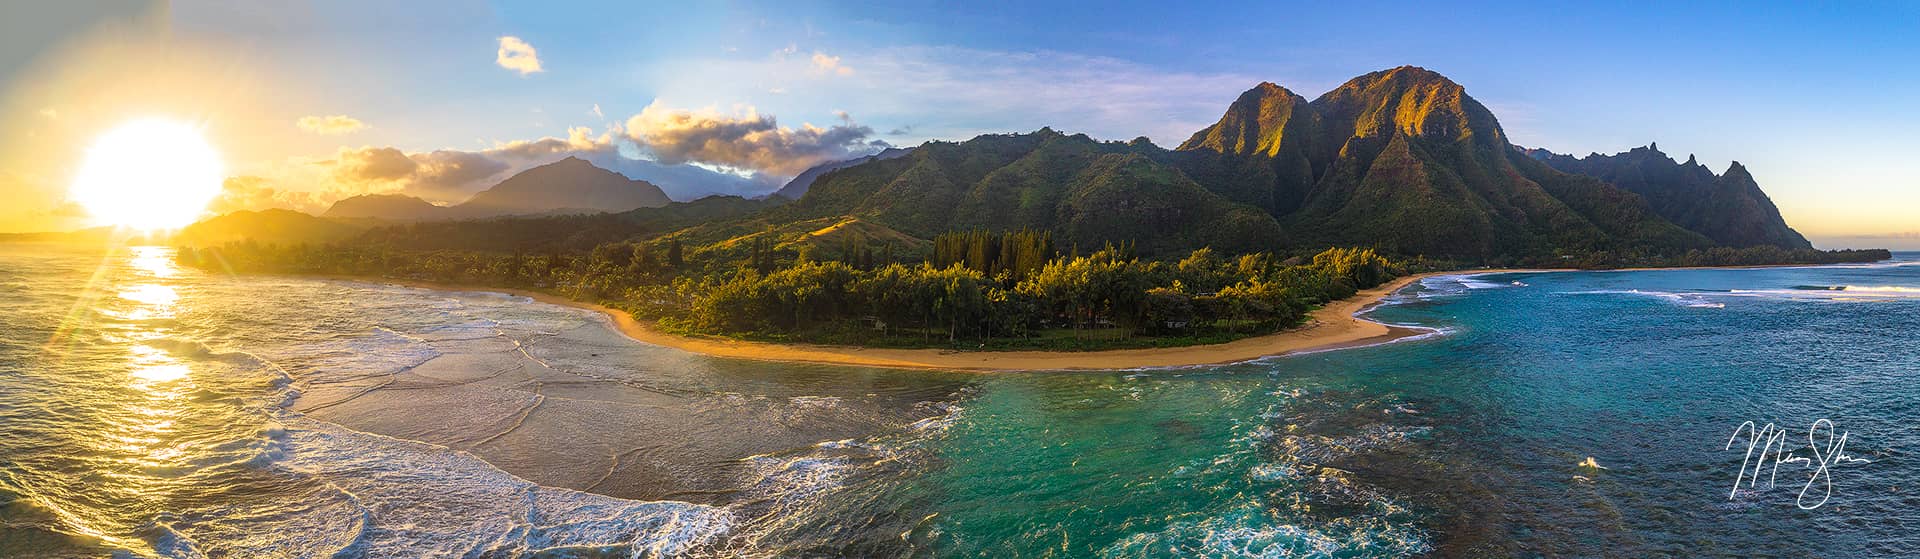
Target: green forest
(976,289)
(972,290)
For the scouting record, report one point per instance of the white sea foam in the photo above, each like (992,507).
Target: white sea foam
(1457,284)
(422,500)
(1834,293)
(1697,300)
(1250,530)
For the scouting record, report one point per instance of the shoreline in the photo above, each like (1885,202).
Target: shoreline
(1335,325)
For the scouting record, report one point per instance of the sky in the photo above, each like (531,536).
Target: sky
(308,102)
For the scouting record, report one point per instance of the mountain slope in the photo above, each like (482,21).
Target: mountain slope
(568,184)
(1264,151)
(265,226)
(1729,208)
(390,207)
(797,187)
(1085,191)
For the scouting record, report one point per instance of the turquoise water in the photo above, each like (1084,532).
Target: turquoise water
(153,411)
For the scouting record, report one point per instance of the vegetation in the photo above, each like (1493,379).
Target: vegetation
(979,289)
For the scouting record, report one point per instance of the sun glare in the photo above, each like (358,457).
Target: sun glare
(148,174)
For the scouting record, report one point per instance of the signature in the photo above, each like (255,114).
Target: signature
(1827,446)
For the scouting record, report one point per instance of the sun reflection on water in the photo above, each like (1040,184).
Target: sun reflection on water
(144,433)
(156,261)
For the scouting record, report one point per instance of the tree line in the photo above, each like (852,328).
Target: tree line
(974,288)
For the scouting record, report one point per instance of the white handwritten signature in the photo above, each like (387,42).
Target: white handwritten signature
(1770,442)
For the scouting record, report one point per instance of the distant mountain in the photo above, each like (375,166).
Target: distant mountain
(266,226)
(540,234)
(797,187)
(1728,208)
(390,207)
(567,184)
(683,181)
(570,185)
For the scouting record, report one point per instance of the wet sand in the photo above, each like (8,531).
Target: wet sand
(1332,326)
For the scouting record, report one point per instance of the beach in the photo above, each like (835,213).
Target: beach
(1332,326)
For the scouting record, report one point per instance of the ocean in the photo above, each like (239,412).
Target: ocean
(148,410)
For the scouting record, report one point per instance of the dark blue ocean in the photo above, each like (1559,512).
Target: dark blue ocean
(154,411)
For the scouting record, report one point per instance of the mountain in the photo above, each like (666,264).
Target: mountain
(390,207)
(1729,208)
(797,187)
(550,233)
(1264,151)
(1085,191)
(1406,161)
(683,181)
(266,226)
(1401,160)
(570,185)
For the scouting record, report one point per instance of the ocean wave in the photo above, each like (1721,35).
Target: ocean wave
(1252,530)
(1834,293)
(1458,284)
(1697,300)
(425,500)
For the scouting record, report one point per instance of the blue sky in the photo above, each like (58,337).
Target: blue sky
(1815,99)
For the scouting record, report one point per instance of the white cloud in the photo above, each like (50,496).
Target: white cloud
(518,56)
(983,91)
(831,64)
(330,124)
(744,140)
(596,111)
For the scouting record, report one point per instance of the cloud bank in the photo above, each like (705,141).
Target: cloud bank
(745,140)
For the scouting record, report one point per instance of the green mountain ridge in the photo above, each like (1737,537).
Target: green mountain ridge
(1729,208)
(1085,191)
(1402,160)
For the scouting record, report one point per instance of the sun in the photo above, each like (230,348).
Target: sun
(148,174)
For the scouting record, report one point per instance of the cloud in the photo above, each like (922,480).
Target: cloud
(250,192)
(981,91)
(596,111)
(373,164)
(443,175)
(330,124)
(745,140)
(440,174)
(825,63)
(518,56)
(761,153)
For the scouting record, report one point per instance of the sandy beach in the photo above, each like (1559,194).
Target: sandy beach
(1332,326)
